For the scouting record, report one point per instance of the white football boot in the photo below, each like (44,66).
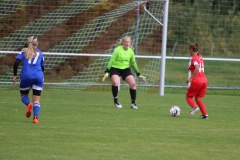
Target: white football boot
(134,106)
(191,113)
(118,105)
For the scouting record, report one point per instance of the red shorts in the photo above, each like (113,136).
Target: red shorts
(197,89)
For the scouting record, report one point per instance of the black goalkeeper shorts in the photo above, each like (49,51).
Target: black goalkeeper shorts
(120,72)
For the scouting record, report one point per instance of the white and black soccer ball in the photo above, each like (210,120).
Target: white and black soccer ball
(175,111)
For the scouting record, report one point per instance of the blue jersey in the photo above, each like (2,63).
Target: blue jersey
(31,69)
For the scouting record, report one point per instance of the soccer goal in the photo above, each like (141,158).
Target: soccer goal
(78,54)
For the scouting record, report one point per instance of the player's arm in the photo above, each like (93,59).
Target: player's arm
(15,68)
(195,72)
(42,64)
(136,69)
(42,68)
(109,65)
(112,59)
(134,64)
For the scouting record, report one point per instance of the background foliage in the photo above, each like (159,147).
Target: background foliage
(213,24)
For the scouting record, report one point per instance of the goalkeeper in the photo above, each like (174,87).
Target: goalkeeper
(118,66)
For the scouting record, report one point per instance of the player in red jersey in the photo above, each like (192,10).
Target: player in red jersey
(198,80)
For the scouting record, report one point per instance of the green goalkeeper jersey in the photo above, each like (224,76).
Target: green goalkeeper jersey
(122,59)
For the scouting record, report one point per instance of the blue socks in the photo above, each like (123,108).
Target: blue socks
(36,106)
(25,100)
(36,109)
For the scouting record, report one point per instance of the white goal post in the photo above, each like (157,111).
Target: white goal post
(164,23)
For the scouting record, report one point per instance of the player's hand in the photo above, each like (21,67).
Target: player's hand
(14,79)
(142,78)
(188,80)
(105,76)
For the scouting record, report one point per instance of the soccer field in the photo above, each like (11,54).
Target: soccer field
(83,125)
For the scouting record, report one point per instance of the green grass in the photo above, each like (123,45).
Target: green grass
(86,126)
(220,74)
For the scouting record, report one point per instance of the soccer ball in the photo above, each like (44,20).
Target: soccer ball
(175,111)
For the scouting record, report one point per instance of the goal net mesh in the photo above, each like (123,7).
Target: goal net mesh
(90,27)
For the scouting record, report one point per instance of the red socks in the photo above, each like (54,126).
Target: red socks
(200,104)
(191,102)
(202,107)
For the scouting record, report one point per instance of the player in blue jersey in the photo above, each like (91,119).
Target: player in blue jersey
(31,76)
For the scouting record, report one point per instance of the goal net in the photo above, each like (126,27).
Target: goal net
(80,37)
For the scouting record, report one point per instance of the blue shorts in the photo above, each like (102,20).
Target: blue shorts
(36,83)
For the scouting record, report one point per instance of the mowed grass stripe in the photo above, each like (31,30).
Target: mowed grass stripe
(86,125)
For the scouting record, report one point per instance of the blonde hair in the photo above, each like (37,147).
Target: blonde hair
(30,52)
(120,42)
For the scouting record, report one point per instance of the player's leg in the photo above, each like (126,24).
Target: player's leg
(199,101)
(37,89)
(36,105)
(115,75)
(25,86)
(128,77)
(191,92)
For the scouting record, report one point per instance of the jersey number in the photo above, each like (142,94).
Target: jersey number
(34,59)
(201,67)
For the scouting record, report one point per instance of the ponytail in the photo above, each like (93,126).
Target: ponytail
(30,51)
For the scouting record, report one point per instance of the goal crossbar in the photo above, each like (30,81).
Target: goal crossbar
(137,56)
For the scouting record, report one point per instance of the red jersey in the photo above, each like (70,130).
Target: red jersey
(198,60)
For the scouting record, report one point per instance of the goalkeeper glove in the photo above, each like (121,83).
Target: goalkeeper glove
(142,78)
(105,75)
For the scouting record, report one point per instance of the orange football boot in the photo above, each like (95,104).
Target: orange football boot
(29,110)
(35,120)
